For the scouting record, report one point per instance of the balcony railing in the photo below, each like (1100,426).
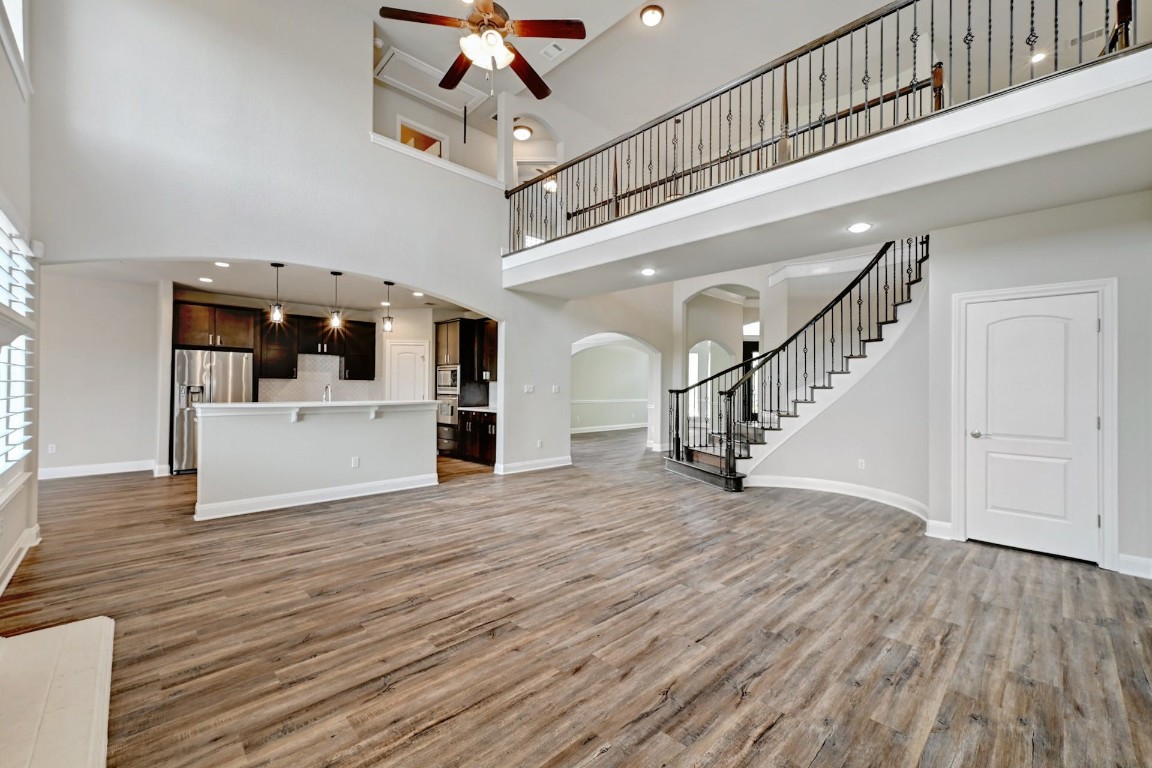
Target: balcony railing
(898,64)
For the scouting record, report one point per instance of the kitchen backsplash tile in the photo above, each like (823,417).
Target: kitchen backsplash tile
(312,373)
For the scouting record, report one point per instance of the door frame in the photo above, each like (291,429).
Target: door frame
(428,377)
(1107,441)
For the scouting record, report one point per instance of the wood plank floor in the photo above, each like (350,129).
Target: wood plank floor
(611,614)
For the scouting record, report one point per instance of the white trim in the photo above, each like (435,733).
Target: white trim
(12,488)
(468,173)
(29,538)
(659,447)
(803,269)
(1106,292)
(937,529)
(442,138)
(87,470)
(878,495)
(1132,565)
(297,411)
(12,51)
(602,402)
(608,428)
(162,470)
(219,509)
(533,466)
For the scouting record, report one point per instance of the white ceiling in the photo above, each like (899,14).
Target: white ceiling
(257,280)
(439,46)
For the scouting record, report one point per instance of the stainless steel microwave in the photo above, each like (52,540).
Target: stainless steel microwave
(447,379)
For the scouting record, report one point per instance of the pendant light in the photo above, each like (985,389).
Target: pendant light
(388,321)
(337,321)
(276,311)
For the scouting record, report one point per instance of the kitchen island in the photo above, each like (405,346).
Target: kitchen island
(255,457)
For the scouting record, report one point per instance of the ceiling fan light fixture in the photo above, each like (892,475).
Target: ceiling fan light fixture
(551,185)
(522,132)
(651,15)
(485,49)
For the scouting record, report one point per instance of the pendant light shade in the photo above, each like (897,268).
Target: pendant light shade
(337,321)
(388,322)
(276,310)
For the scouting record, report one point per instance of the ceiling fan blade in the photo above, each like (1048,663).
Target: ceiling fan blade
(569,29)
(399,14)
(529,75)
(456,72)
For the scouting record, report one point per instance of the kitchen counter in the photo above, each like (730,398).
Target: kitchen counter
(262,456)
(479,409)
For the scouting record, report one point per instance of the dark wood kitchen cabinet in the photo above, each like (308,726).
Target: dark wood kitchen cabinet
(318,337)
(359,351)
(448,342)
(206,325)
(278,349)
(489,345)
(477,437)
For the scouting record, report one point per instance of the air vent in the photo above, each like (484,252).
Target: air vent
(1088,37)
(552,52)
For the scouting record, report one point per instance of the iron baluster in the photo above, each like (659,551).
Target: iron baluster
(989,47)
(968,40)
(1031,40)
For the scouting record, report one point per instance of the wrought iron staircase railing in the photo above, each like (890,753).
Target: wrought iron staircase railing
(900,63)
(714,422)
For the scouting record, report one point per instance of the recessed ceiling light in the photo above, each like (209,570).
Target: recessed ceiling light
(205,279)
(1038,57)
(648,272)
(652,15)
(859,227)
(223,264)
(522,132)
(417,294)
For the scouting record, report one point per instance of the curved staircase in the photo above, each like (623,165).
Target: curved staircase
(717,422)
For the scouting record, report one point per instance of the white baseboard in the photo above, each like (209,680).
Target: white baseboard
(659,447)
(847,489)
(610,428)
(219,509)
(28,539)
(87,470)
(162,470)
(533,466)
(938,529)
(1135,566)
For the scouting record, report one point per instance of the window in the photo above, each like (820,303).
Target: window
(15,11)
(421,138)
(16,297)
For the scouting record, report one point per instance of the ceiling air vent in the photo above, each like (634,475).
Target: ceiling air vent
(552,52)
(1087,37)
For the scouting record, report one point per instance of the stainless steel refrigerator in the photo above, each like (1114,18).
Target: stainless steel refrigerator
(203,376)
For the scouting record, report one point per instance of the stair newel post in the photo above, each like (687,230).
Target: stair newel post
(729,433)
(674,425)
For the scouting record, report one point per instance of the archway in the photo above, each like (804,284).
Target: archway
(616,385)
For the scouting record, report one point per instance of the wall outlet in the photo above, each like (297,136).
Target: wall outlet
(51,447)
(860,464)
(529,389)
(355,462)
(539,443)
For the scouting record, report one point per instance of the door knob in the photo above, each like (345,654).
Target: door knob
(977,434)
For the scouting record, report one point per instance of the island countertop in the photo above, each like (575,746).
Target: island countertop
(261,456)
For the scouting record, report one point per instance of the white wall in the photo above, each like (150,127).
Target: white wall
(262,153)
(609,388)
(882,419)
(712,319)
(98,371)
(479,153)
(1101,239)
(15,149)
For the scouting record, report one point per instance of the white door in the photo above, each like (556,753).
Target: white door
(1032,395)
(408,370)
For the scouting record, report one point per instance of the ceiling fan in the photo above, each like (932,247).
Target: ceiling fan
(486,46)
